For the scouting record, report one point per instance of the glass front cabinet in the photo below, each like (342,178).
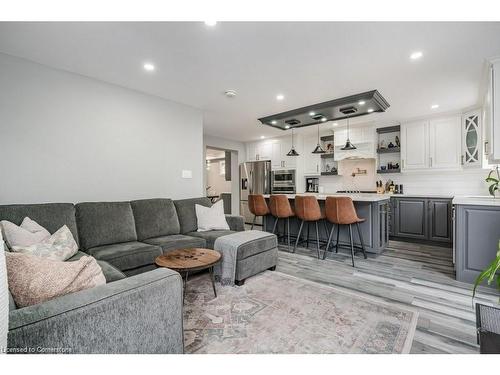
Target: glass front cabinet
(471,139)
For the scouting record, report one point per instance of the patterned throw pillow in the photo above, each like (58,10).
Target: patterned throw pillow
(26,234)
(35,280)
(60,246)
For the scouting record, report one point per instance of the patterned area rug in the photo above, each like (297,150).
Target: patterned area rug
(278,313)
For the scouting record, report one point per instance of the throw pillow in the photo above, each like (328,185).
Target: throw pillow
(60,246)
(34,280)
(211,218)
(26,234)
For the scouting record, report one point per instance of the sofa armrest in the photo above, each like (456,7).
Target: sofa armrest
(139,314)
(235,222)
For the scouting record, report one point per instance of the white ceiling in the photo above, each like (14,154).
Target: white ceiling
(307,62)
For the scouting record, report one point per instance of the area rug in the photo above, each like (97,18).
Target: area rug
(278,313)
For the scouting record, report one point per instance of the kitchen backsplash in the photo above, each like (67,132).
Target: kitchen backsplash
(467,182)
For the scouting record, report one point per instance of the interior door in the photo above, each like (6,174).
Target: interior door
(445,143)
(414,145)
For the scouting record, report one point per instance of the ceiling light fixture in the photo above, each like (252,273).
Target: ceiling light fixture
(292,151)
(369,110)
(348,144)
(318,149)
(312,113)
(211,23)
(262,137)
(149,67)
(280,97)
(416,55)
(287,126)
(274,122)
(323,119)
(434,106)
(230,93)
(361,102)
(335,124)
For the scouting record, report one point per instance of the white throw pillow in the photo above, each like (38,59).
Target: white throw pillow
(26,234)
(211,218)
(60,246)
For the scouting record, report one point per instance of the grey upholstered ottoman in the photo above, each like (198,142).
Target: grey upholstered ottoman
(245,254)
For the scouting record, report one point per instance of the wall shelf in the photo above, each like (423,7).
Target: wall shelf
(329,173)
(388,150)
(389,170)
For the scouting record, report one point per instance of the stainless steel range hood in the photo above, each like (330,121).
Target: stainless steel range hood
(338,109)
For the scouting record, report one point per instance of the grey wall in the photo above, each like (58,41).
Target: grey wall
(65,137)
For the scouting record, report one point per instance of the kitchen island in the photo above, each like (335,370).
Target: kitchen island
(371,207)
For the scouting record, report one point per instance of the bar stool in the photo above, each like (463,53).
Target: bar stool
(340,211)
(307,210)
(257,206)
(280,208)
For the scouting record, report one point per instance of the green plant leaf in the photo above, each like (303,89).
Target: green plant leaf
(483,275)
(494,268)
(492,189)
(492,179)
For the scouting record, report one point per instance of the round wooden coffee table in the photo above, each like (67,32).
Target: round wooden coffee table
(189,260)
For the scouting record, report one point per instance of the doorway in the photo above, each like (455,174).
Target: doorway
(219,176)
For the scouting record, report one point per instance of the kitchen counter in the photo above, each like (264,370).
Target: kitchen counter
(371,207)
(361,197)
(485,200)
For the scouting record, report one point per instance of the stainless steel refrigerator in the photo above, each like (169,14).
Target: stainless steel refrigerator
(255,178)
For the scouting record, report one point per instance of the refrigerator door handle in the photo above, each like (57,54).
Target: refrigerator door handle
(250,183)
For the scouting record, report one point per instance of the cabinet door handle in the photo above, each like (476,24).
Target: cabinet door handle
(402,163)
(486,151)
(462,159)
(430,160)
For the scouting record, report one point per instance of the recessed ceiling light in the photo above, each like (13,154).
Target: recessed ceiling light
(361,102)
(210,23)
(416,55)
(312,113)
(280,97)
(287,126)
(274,122)
(369,110)
(230,93)
(149,67)
(262,137)
(335,124)
(323,119)
(434,106)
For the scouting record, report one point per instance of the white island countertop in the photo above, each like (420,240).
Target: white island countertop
(477,200)
(362,197)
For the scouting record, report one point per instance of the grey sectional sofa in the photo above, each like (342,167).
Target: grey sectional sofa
(138,314)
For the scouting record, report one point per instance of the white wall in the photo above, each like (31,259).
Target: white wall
(238,156)
(64,137)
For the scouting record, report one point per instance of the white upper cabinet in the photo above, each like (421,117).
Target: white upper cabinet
(251,151)
(471,140)
(415,145)
(312,162)
(445,143)
(431,144)
(491,118)
(276,160)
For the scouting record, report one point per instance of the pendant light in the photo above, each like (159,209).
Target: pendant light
(348,144)
(318,149)
(292,151)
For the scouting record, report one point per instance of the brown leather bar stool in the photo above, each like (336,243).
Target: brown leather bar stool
(307,210)
(280,208)
(341,211)
(257,206)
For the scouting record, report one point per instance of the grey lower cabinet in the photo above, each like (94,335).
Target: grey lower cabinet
(428,219)
(477,232)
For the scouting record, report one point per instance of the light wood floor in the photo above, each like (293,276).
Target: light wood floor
(420,276)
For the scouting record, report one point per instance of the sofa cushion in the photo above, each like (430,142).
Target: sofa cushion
(110,273)
(211,236)
(127,255)
(187,213)
(155,218)
(51,216)
(105,223)
(176,241)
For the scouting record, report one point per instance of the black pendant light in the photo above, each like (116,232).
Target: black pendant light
(292,151)
(318,149)
(348,144)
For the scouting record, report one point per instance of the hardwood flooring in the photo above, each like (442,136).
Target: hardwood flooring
(420,276)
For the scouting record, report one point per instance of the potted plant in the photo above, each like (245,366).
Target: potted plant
(494,181)
(488,317)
